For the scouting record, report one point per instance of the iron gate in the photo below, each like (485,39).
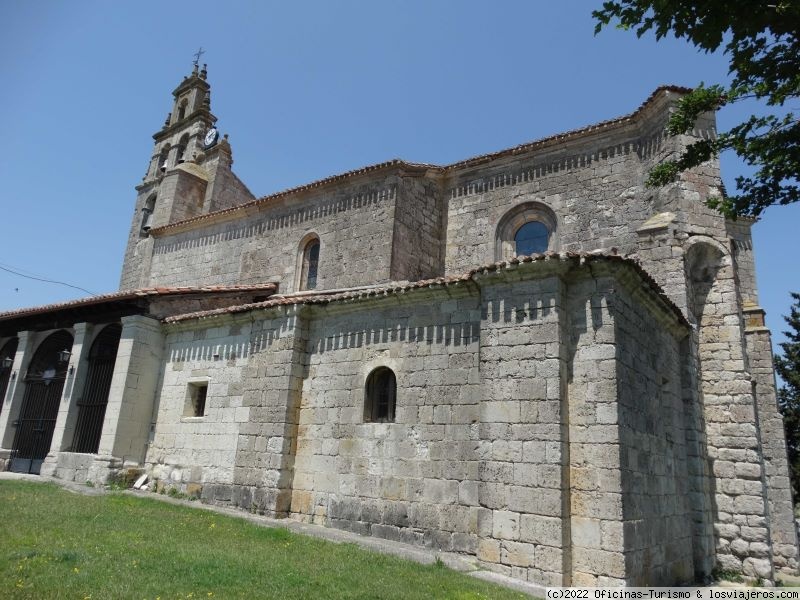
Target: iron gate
(37,418)
(92,406)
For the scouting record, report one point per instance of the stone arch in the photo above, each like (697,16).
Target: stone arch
(183,143)
(516,218)
(44,383)
(709,273)
(92,405)
(163,159)
(182,107)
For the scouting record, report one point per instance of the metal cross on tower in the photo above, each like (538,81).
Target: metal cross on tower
(197,56)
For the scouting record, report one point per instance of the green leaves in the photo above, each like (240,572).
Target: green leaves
(761,41)
(788,367)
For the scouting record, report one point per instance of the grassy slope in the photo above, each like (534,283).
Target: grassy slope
(56,544)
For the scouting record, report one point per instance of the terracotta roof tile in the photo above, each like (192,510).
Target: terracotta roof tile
(137,293)
(402,287)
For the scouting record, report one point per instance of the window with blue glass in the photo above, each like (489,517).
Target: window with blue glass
(532,238)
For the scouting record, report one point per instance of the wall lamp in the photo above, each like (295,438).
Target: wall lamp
(64,355)
(7,362)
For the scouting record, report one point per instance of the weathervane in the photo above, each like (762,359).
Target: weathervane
(197,56)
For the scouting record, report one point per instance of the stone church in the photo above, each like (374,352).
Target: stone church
(527,356)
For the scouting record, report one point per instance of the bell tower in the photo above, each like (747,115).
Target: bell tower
(189,174)
(181,137)
(158,200)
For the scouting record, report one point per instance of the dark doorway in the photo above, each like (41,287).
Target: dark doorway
(92,405)
(6,355)
(44,383)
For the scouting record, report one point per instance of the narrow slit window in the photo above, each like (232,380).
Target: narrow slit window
(381,396)
(308,279)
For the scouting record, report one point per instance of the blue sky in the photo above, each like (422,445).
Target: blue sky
(305,90)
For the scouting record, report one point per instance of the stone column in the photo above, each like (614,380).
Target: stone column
(74,385)
(773,442)
(129,413)
(14,395)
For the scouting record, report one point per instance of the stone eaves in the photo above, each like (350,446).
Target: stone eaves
(399,288)
(603,126)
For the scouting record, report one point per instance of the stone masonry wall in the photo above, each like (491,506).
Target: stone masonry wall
(267,442)
(595,187)
(186,451)
(519,418)
(653,428)
(593,453)
(783,532)
(732,430)
(524,494)
(418,244)
(354,224)
(414,480)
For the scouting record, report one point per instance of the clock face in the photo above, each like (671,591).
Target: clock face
(211,137)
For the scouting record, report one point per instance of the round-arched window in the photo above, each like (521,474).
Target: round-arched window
(532,238)
(528,228)
(380,397)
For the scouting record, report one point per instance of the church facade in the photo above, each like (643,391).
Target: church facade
(528,356)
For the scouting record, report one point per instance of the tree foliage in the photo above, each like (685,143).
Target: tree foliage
(788,367)
(760,38)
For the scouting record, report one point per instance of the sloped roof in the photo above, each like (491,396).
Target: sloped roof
(395,288)
(398,163)
(135,295)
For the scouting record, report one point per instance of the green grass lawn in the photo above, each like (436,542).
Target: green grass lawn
(57,544)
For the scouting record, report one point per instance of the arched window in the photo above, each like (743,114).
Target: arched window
(308,273)
(147,215)
(380,396)
(526,229)
(184,141)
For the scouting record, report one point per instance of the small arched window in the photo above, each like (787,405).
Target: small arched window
(184,141)
(147,215)
(308,274)
(380,397)
(526,229)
